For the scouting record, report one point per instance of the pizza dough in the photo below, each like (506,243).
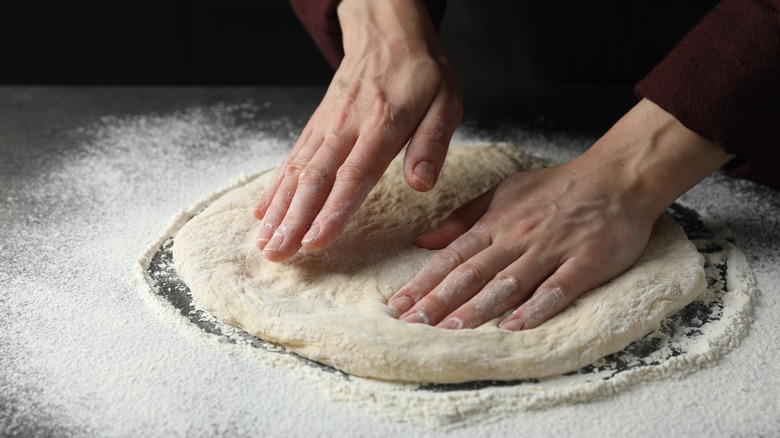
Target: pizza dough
(331,307)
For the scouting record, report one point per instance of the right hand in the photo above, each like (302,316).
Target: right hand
(393,86)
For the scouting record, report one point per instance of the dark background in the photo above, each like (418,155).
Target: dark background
(210,42)
(580,58)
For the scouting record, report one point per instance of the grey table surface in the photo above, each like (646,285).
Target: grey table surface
(42,129)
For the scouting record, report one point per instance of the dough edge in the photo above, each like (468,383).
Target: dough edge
(372,343)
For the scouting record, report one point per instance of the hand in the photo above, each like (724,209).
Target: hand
(538,240)
(394,86)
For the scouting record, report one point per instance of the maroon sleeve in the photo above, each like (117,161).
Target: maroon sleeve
(723,82)
(320,20)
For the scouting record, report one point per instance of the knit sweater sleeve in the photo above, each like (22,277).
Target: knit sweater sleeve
(320,20)
(723,82)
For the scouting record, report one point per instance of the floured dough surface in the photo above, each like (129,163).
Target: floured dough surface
(331,307)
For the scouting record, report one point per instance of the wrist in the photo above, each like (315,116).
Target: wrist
(398,24)
(656,158)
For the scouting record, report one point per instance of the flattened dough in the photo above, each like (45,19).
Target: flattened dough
(330,306)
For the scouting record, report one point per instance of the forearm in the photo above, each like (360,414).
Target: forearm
(723,82)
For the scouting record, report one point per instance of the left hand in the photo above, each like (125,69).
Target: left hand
(534,243)
(540,239)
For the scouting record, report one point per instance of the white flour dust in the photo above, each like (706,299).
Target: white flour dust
(730,299)
(86,351)
(72,323)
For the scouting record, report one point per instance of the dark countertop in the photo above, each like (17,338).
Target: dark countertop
(89,177)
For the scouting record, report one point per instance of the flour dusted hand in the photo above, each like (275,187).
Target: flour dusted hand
(393,86)
(540,239)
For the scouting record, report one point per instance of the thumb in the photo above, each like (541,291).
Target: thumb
(457,223)
(428,146)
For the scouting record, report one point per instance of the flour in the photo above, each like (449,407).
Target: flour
(679,350)
(87,351)
(71,320)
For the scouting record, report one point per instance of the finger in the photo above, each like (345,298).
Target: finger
(509,288)
(354,180)
(459,286)
(314,185)
(569,281)
(277,209)
(437,269)
(428,146)
(285,191)
(457,223)
(264,201)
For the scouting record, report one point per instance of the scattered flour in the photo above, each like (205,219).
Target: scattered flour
(83,353)
(684,344)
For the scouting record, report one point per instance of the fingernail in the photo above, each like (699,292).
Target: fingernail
(275,242)
(425,172)
(401,304)
(312,234)
(416,317)
(513,325)
(452,324)
(265,230)
(266,227)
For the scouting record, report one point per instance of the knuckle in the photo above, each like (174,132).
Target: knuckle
(472,273)
(414,290)
(351,173)
(293,167)
(555,293)
(450,258)
(481,229)
(550,301)
(387,113)
(508,281)
(433,305)
(341,120)
(526,226)
(313,176)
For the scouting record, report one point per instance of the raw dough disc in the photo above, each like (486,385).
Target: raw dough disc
(330,306)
